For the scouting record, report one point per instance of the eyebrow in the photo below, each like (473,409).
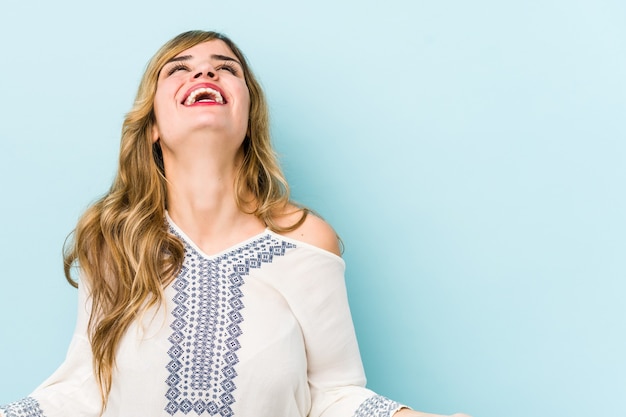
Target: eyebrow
(214,56)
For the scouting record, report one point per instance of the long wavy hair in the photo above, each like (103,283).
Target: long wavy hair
(122,245)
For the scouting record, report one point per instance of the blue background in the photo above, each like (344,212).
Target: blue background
(470,154)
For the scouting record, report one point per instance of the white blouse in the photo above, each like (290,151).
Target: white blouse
(260,329)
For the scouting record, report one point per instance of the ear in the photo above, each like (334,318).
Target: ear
(155,133)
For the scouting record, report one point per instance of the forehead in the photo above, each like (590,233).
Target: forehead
(207,49)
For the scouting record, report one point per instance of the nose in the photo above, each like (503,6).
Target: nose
(205,68)
(209,74)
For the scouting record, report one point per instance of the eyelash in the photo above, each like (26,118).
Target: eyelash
(177,67)
(230,67)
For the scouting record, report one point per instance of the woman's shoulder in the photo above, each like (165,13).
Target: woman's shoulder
(314,230)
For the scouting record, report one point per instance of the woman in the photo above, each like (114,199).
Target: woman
(202,289)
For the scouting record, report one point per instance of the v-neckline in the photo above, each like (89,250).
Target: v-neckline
(232,248)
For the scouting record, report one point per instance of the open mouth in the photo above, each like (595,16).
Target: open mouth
(204,95)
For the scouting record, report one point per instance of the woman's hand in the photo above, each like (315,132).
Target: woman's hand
(405,412)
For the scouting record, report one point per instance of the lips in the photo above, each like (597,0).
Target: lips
(203,94)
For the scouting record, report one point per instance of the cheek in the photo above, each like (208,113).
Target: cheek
(246,105)
(160,115)
(156,105)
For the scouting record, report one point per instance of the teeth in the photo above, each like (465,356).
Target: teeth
(215,96)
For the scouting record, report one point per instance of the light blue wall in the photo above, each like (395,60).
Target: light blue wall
(470,154)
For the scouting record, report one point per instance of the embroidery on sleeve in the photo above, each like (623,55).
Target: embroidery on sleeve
(377,406)
(28,407)
(206,326)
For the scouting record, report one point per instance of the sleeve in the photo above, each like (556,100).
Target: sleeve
(315,290)
(72,389)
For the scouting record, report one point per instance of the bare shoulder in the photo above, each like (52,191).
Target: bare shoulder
(314,231)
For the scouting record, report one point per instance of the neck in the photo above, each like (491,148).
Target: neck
(202,201)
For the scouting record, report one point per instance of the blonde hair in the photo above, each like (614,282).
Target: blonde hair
(122,243)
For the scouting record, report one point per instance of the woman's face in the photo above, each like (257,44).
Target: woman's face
(202,89)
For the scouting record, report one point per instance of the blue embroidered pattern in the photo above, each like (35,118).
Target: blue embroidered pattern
(28,407)
(377,406)
(204,342)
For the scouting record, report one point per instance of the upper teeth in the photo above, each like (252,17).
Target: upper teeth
(215,96)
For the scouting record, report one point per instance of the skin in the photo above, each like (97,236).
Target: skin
(202,150)
(201,147)
(411,413)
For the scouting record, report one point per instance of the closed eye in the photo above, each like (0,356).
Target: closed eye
(179,66)
(229,66)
